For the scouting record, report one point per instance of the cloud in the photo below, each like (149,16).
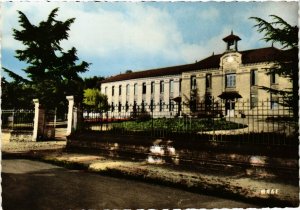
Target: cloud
(143,30)
(209,14)
(100,32)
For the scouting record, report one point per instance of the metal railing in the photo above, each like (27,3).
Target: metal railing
(17,119)
(221,121)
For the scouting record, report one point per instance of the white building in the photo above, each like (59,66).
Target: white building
(232,76)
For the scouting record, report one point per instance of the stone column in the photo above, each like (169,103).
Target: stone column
(148,95)
(176,88)
(70,114)
(131,97)
(139,93)
(166,93)
(156,95)
(186,92)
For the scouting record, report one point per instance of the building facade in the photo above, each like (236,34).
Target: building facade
(230,79)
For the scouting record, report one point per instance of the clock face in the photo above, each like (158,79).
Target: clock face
(230,59)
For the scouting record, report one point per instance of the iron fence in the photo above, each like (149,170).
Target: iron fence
(17,119)
(219,121)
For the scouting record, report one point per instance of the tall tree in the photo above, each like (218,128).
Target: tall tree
(53,73)
(95,100)
(92,82)
(286,65)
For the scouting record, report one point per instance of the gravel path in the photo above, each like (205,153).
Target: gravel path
(22,146)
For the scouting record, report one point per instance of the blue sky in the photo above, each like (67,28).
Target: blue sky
(118,36)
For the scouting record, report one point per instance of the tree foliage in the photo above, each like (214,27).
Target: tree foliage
(92,82)
(15,95)
(94,100)
(286,65)
(53,73)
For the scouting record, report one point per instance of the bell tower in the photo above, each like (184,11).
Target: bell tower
(232,42)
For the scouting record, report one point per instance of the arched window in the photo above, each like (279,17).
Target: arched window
(144,88)
(152,87)
(120,90)
(161,86)
(193,83)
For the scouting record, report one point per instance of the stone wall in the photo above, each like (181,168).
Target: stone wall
(185,152)
(21,136)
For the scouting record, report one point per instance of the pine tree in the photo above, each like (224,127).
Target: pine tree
(53,73)
(286,65)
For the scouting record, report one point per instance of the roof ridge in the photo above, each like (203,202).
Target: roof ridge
(208,62)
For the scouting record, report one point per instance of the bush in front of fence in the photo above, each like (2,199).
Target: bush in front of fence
(178,124)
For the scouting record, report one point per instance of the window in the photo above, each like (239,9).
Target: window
(274,102)
(144,88)
(151,105)
(134,108)
(230,80)
(135,89)
(120,90)
(113,91)
(180,81)
(126,106)
(253,77)
(208,100)
(193,83)
(171,105)
(152,87)
(143,107)
(127,89)
(161,86)
(208,81)
(171,86)
(274,105)
(119,107)
(193,104)
(253,101)
(112,106)
(160,105)
(273,78)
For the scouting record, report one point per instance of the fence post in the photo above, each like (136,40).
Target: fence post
(36,118)
(70,114)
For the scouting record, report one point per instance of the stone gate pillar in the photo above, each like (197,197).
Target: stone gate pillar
(70,114)
(39,121)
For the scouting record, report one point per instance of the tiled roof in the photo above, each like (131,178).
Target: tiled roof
(248,56)
(149,73)
(260,55)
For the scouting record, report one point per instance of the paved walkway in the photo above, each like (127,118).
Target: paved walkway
(58,188)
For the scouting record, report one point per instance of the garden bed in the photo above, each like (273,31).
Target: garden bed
(179,124)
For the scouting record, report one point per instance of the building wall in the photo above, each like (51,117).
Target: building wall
(139,97)
(230,63)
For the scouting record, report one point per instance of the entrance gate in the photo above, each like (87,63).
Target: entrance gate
(49,124)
